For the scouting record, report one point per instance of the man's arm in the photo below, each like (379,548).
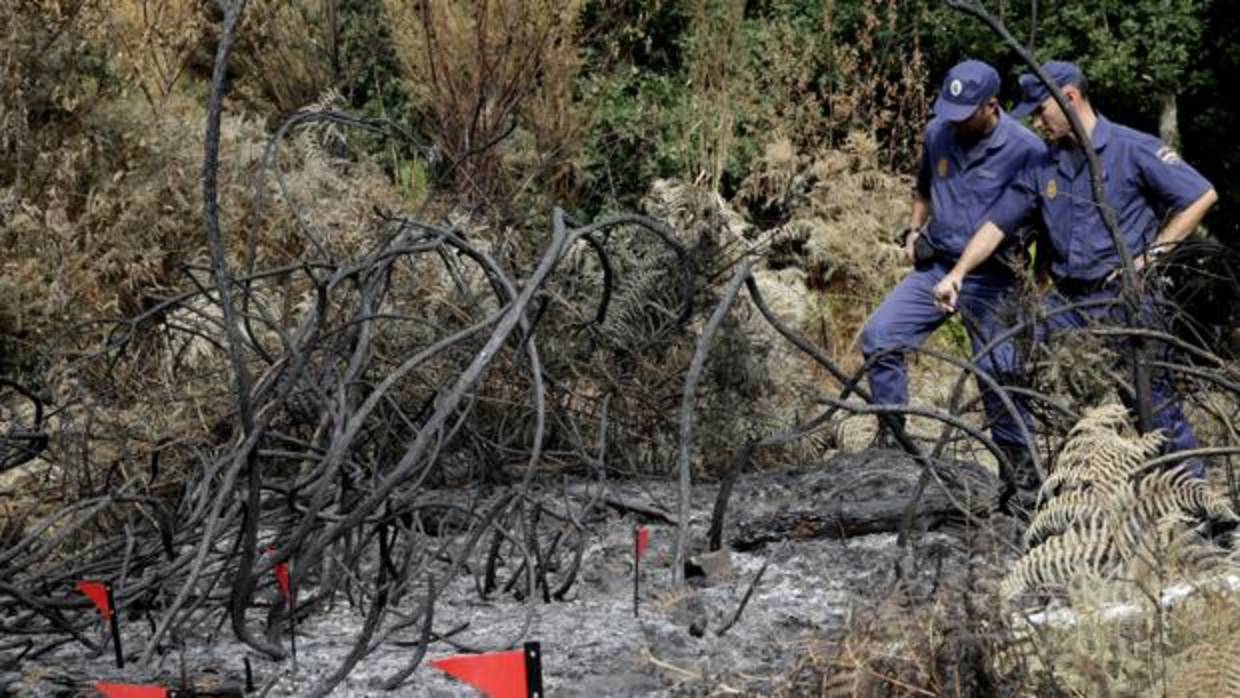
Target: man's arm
(1179,227)
(922,206)
(983,243)
(1175,186)
(918,218)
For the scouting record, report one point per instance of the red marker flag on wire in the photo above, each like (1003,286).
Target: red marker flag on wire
(282,579)
(97,592)
(100,594)
(515,674)
(125,690)
(641,541)
(286,591)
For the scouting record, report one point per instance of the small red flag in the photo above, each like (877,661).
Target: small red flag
(282,578)
(125,690)
(641,541)
(498,675)
(97,592)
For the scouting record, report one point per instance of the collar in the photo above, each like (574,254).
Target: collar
(1102,132)
(999,135)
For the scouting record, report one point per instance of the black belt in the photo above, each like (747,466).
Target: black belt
(1083,287)
(1000,263)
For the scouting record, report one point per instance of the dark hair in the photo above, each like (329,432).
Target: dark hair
(1082,86)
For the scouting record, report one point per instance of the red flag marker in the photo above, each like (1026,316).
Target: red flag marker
(97,592)
(515,674)
(641,541)
(100,594)
(282,579)
(125,690)
(286,591)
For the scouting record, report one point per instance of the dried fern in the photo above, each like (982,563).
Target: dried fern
(1083,549)
(1110,516)
(1061,513)
(1099,453)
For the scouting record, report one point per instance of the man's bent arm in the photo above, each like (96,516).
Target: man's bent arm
(921,210)
(1187,220)
(1179,227)
(983,243)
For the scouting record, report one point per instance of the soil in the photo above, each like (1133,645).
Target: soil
(592,644)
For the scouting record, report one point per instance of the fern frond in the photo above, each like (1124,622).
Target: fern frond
(1103,459)
(1062,512)
(1140,538)
(1081,550)
(1177,489)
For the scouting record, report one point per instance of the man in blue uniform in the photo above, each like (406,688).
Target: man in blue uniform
(1146,183)
(972,151)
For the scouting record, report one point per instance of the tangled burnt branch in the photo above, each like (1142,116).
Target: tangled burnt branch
(333,471)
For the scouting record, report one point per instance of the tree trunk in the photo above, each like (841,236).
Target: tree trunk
(1169,121)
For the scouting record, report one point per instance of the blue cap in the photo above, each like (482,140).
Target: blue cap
(966,87)
(1034,93)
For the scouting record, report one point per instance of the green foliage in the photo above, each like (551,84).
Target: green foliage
(1131,51)
(635,138)
(748,73)
(645,34)
(1211,140)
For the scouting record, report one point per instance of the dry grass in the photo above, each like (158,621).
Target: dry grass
(473,70)
(1147,600)
(289,54)
(154,42)
(839,209)
(48,82)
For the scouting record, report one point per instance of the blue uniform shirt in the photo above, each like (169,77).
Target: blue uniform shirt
(1144,182)
(963,183)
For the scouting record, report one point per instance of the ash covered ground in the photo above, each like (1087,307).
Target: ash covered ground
(592,644)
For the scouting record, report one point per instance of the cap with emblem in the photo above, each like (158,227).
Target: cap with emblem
(1034,93)
(967,86)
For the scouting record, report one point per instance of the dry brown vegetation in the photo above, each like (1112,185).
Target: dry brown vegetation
(479,70)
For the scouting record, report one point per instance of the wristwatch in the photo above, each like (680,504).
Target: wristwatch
(907,233)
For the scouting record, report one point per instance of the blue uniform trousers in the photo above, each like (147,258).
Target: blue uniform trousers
(1168,416)
(908,316)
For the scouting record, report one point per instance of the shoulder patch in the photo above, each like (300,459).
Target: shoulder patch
(1167,155)
(942,167)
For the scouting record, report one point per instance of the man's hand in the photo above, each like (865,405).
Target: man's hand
(947,292)
(1139,263)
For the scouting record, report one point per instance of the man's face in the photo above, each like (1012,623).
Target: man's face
(1049,119)
(979,123)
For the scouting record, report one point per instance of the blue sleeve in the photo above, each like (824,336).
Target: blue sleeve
(1018,202)
(1166,179)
